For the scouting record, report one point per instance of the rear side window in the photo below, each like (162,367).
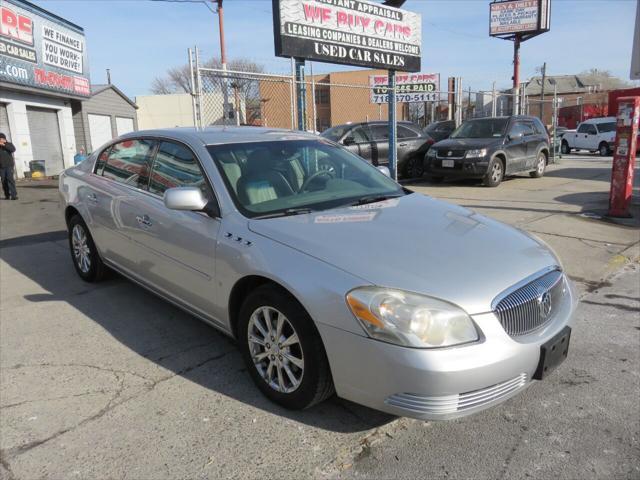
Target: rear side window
(359,135)
(405,132)
(587,128)
(380,133)
(102,160)
(539,128)
(175,166)
(607,127)
(129,162)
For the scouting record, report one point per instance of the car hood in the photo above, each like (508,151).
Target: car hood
(468,143)
(419,244)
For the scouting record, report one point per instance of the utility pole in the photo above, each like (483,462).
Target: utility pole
(516,74)
(544,77)
(223,60)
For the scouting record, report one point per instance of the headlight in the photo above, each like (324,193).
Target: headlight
(481,152)
(431,152)
(409,319)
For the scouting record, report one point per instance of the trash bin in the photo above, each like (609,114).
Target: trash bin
(37,169)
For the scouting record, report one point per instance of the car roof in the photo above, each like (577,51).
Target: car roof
(375,122)
(223,135)
(601,120)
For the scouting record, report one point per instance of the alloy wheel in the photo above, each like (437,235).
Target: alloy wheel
(496,171)
(275,349)
(541,164)
(81,250)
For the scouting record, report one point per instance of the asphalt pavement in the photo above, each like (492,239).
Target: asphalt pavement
(108,381)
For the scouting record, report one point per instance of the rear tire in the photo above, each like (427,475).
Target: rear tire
(84,253)
(414,167)
(603,149)
(564,148)
(495,173)
(292,373)
(541,165)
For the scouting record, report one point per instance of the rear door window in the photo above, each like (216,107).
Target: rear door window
(405,132)
(176,166)
(129,162)
(360,135)
(380,133)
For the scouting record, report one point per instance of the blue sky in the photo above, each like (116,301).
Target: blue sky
(139,39)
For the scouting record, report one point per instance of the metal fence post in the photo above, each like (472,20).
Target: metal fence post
(302,94)
(192,88)
(198,88)
(313,98)
(393,152)
(293,94)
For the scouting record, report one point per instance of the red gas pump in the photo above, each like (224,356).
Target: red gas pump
(624,156)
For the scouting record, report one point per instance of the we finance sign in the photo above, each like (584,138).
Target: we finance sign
(47,52)
(351,32)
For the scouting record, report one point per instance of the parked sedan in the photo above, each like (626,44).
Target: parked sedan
(308,257)
(371,141)
(490,148)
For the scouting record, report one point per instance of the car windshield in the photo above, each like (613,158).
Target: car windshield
(607,127)
(297,176)
(335,133)
(481,128)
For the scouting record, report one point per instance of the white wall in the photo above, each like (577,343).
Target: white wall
(19,126)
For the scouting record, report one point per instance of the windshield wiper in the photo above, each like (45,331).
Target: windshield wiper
(285,213)
(373,199)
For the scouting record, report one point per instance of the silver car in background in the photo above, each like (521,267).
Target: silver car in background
(330,276)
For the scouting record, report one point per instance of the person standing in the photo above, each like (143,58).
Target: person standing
(7,165)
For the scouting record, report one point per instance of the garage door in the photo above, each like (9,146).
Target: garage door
(124,125)
(99,130)
(4,120)
(44,131)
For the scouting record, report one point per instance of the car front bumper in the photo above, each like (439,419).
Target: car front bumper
(464,167)
(437,384)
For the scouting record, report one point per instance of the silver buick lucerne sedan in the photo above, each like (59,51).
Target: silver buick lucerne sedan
(330,276)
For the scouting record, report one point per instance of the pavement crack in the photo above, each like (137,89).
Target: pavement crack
(76,365)
(63,397)
(179,352)
(5,464)
(619,306)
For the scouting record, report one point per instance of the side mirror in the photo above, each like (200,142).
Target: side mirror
(516,136)
(384,170)
(185,198)
(349,140)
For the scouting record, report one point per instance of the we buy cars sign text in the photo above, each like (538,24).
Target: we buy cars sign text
(410,87)
(351,32)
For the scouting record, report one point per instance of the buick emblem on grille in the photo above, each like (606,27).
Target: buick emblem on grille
(449,153)
(544,303)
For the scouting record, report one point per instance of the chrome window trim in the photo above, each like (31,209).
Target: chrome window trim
(159,139)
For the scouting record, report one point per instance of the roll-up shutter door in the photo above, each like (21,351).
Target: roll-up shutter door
(4,121)
(44,131)
(99,130)
(124,125)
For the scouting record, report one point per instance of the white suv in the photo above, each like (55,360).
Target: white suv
(595,135)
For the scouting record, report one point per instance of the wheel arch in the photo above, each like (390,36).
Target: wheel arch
(69,212)
(243,287)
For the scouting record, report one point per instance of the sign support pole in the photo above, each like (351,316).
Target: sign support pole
(516,75)
(301,94)
(393,151)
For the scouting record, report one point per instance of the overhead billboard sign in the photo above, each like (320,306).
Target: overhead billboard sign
(350,32)
(42,51)
(410,88)
(519,16)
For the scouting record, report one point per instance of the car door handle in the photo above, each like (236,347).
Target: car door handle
(402,144)
(144,220)
(92,197)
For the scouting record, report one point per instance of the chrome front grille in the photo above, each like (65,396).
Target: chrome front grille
(450,404)
(533,305)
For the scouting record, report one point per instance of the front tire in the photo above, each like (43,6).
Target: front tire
(283,350)
(84,253)
(495,173)
(564,148)
(541,165)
